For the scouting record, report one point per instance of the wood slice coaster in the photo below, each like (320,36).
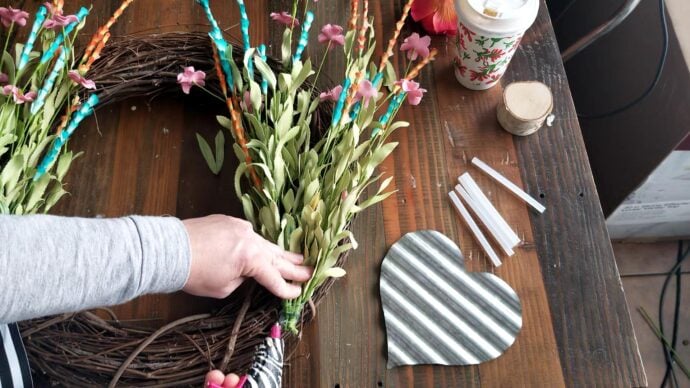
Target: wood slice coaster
(524,107)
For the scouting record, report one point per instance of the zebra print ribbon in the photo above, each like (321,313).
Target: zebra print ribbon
(267,368)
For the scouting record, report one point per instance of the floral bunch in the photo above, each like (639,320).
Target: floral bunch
(43,99)
(300,192)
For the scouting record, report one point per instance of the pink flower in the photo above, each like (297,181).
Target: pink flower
(436,16)
(17,95)
(4,78)
(10,15)
(246,103)
(416,46)
(57,21)
(189,78)
(414,92)
(332,33)
(284,18)
(366,91)
(331,95)
(50,8)
(80,80)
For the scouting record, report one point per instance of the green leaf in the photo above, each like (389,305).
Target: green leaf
(389,76)
(8,66)
(63,164)
(220,150)
(255,95)
(248,209)
(265,71)
(11,173)
(288,201)
(286,47)
(208,154)
(284,122)
(298,80)
(334,272)
(224,122)
(296,240)
(284,82)
(37,191)
(382,153)
(54,197)
(349,40)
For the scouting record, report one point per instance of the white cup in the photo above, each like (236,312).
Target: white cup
(489,32)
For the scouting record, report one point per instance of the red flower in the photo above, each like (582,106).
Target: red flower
(461,41)
(464,31)
(436,16)
(477,76)
(496,54)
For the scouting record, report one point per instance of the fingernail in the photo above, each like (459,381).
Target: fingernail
(243,380)
(275,331)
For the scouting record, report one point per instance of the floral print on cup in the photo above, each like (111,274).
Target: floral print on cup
(480,61)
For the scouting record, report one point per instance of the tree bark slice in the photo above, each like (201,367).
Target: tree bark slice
(524,107)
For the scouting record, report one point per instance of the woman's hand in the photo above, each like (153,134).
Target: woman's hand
(216,379)
(226,251)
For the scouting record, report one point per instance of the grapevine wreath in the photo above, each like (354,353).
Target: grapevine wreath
(306,161)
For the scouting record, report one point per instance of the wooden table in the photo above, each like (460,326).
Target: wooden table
(576,330)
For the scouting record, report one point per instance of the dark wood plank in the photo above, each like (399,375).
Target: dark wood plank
(467,119)
(595,337)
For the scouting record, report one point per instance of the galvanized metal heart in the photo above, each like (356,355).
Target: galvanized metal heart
(438,313)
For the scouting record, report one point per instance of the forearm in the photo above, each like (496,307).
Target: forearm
(51,264)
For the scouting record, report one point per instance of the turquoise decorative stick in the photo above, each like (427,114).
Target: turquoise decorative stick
(60,39)
(84,111)
(392,107)
(338,110)
(244,27)
(50,81)
(262,54)
(304,37)
(377,79)
(38,22)
(221,45)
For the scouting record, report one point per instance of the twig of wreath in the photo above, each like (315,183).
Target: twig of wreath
(84,349)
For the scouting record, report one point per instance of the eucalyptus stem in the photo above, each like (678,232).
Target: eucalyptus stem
(7,40)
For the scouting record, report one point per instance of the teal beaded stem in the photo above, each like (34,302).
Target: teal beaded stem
(358,105)
(262,54)
(26,51)
(50,81)
(60,39)
(338,110)
(394,104)
(221,45)
(377,78)
(244,27)
(84,111)
(304,37)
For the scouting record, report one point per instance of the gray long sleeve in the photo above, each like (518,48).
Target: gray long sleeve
(51,265)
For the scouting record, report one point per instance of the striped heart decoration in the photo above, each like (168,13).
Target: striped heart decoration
(438,313)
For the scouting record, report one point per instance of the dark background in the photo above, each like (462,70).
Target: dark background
(625,148)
